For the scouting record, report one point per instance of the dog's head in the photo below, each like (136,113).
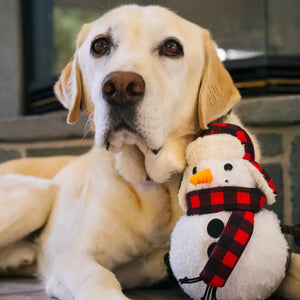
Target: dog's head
(150,80)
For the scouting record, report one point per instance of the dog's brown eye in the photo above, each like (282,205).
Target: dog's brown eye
(100,46)
(171,48)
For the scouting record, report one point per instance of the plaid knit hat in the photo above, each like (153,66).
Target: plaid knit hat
(232,142)
(236,131)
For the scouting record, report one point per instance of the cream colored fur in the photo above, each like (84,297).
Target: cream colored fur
(44,167)
(108,227)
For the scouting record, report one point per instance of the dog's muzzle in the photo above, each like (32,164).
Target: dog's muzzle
(123,91)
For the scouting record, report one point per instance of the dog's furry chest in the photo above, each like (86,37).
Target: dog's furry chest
(113,220)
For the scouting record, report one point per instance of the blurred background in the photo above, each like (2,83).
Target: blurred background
(258,40)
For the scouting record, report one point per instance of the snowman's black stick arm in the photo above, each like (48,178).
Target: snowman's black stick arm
(190,280)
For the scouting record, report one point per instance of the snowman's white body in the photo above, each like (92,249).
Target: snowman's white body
(261,266)
(258,272)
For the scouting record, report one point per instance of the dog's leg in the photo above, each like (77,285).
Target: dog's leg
(25,204)
(290,287)
(84,278)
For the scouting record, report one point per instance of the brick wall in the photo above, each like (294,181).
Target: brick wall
(10,151)
(275,121)
(46,135)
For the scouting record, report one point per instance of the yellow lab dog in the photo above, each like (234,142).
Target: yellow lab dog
(149,80)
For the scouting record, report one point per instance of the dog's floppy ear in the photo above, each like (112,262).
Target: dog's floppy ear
(217,94)
(68,88)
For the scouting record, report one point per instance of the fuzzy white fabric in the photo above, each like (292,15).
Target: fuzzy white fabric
(257,274)
(214,147)
(261,268)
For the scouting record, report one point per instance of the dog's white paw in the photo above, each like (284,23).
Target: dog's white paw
(18,254)
(163,165)
(54,288)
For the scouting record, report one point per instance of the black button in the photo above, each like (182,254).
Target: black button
(210,249)
(215,228)
(228,167)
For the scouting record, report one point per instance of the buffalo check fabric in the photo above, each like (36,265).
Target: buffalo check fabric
(266,176)
(227,198)
(244,203)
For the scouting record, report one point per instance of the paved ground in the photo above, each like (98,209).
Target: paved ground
(32,289)
(26,288)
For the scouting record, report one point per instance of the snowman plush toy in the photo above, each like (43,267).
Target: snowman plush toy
(227,246)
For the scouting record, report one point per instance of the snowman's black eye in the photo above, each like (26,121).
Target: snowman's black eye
(194,170)
(228,167)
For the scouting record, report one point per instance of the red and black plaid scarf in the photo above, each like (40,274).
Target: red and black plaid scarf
(244,203)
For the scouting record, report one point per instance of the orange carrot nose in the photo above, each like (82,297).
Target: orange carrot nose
(204,176)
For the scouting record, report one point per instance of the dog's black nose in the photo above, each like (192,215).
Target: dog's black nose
(123,88)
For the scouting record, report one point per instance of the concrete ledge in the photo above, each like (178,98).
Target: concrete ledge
(30,288)
(41,128)
(279,110)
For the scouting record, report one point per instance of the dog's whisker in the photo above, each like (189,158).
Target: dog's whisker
(87,126)
(103,7)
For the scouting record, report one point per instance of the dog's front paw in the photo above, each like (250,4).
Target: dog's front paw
(55,288)
(161,166)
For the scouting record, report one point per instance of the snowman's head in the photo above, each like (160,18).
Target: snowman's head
(212,173)
(218,160)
